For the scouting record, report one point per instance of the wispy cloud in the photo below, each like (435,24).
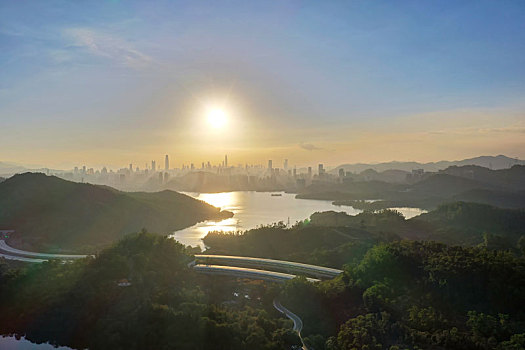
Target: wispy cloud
(513,129)
(106,45)
(310,147)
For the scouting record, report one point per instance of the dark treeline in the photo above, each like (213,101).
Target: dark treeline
(417,295)
(402,294)
(167,306)
(394,293)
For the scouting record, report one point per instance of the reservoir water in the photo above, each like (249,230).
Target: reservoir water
(12,343)
(252,209)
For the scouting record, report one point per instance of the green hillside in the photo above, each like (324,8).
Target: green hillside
(53,214)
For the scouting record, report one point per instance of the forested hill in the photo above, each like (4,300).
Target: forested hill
(51,213)
(504,188)
(452,223)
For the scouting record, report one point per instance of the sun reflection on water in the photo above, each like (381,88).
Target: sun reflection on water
(250,210)
(224,200)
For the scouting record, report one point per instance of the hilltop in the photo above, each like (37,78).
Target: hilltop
(49,213)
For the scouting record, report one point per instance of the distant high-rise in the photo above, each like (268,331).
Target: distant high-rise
(286,164)
(166,163)
(270,166)
(225,160)
(309,171)
(321,169)
(131,167)
(153,165)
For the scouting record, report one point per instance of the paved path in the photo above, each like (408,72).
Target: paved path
(289,267)
(21,258)
(23,255)
(297,322)
(243,272)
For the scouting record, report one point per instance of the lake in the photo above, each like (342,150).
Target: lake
(11,343)
(252,209)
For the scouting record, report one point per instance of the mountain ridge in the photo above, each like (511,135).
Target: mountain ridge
(497,162)
(51,213)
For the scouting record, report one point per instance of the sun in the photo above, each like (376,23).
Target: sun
(217,118)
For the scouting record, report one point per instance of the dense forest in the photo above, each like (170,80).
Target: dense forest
(167,306)
(466,292)
(397,291)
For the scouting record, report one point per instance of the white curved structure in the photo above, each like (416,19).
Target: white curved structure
(4,248)
(21,258)
(287,267)
(242,272)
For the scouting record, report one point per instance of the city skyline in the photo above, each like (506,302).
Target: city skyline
(344,82)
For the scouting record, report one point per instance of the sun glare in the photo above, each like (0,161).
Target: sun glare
(217,118)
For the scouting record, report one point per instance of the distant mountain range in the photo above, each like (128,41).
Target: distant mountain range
(9,168)
(490,162)
(49,213)
(502,188)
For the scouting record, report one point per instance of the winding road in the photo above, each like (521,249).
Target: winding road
(243,272)
(297,322)
(21,258)
(26,256)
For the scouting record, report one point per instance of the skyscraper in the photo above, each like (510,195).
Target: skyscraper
(270,166)
(286,164)
(166,163)
(225,160)
(153,166)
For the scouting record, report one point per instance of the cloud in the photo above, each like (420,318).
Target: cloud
(109,46)
(510,129)
(310,147)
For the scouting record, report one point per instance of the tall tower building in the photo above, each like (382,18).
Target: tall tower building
(286,164)
(270,166)
(166,163)
(321,170)
(225,160)
(131,167)
(153,165)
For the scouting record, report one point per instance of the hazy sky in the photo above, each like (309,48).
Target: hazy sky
(113,82)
